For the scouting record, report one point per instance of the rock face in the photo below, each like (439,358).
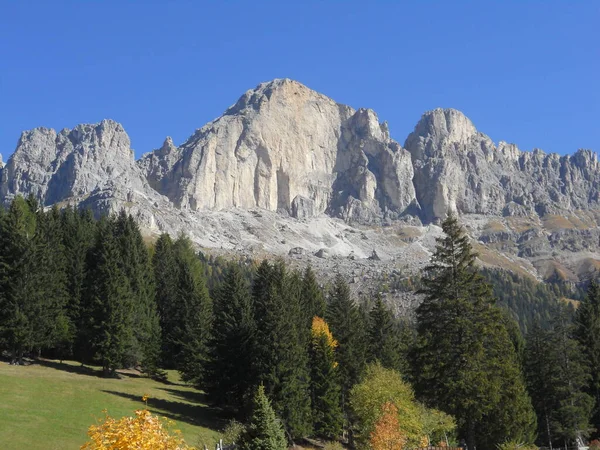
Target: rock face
(72,164)
(282,165)
(460,169)
(281,142)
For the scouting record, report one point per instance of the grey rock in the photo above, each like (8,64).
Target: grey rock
(302,207)
(297,251)
(460,169)
(323,253)
(280,142)
(374,256)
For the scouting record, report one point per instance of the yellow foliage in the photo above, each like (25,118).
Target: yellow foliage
(320,328)
(142,432)
(386,434)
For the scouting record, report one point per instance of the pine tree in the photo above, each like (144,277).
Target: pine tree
(109,298)
(230,356)
(79,230)
(464,362)
(324,385)
(166,274)
(280,352)
(384,343)
(51,322)
(570,380)
(347,325)
(192,314)
(312,299)
(136,265)
(264,432)
(587,333)
(20,290)
(539,367)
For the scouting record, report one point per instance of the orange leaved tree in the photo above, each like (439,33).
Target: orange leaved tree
(387,434)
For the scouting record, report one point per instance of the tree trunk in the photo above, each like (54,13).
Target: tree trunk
(470,434)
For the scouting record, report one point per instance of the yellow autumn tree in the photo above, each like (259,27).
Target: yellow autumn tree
(142,432)
(325,389)
(320,329)
(387,435)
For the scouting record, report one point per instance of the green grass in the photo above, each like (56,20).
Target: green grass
(49,406)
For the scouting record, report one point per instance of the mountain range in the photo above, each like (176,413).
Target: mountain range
(288,171)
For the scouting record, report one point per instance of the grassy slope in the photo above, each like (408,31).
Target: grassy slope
(50,406)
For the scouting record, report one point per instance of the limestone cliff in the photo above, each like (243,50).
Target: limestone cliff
(459,169)
(283,144)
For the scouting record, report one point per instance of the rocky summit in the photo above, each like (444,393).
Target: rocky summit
(288,171)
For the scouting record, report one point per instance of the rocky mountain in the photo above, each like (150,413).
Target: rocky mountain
(288,170)
(284,147)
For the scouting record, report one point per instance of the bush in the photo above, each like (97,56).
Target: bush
(232,432)
(142,432)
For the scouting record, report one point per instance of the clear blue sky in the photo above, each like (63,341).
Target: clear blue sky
(523,71)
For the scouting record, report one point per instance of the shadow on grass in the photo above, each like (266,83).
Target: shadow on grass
(71,368)
(190,396)
(200,415)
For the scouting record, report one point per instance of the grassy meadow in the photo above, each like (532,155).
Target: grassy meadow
(50,405)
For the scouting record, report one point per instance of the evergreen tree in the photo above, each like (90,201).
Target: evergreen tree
(347,325)
(539,366)
(280,353)
(230,356)
(137,267)
(166,274)
(570,379)
(20,287)
(312,298)
(51,322)
(464,362)
(384,343)
(78,236)
(324,385)
(109,298)
(192,314)
(264,432)
(587,333)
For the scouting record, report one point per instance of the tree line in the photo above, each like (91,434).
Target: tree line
(75,287)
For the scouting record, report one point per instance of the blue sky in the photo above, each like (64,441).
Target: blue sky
(524,71)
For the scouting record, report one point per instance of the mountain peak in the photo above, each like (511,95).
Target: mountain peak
(284,91)
(447,123)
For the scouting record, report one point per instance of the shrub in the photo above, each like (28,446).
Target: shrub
(233,431)
(142,432)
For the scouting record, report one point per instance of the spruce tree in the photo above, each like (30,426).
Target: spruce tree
(280,351)
(383,333)
(109,298)
(464,361)
(78,238)
(53,327)
(312,298)
(348,326)
(192,314)
(227,382)
(325,390)
(136,265)
(570,380)
(166,274)
(539,366)
(587,333)
(264,432)
(20,290)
